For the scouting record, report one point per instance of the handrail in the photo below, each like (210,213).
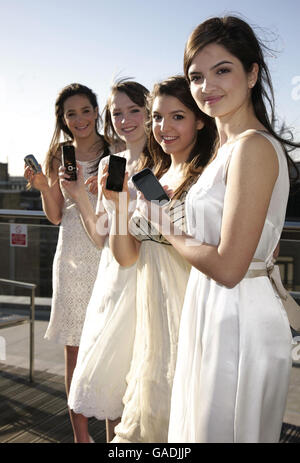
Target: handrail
(20,284)
(291,231)
(22,213)
(32,287)
(289,224)
(10,215)
(41,214)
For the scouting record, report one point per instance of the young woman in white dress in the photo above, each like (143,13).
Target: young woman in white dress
(105,351)
(180,143)
(234,357)
(76,259)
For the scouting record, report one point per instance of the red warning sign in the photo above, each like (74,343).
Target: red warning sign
(18,235)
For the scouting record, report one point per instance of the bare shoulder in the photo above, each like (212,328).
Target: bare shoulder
(255,153)
(257,146)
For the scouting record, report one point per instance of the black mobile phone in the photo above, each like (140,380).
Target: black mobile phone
(147,183)
(31,161)
(116,173)
(69,161)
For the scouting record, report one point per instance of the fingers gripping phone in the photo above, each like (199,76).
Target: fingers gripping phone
(116,173)
(31,161)
(147,183)
(69,161)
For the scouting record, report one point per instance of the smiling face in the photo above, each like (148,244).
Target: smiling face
(219,83)
(80,116)
(128,118)
(174,126)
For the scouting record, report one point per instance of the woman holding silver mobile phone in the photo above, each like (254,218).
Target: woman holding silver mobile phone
(76,258)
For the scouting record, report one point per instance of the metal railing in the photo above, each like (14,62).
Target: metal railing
(8,321)
(33,261)
(45,241)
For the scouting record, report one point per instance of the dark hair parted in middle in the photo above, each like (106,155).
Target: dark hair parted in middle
(178,87)
(239,39)
(61,127)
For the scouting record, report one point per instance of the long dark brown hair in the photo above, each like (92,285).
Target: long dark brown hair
(178,87)
(239,39)
(137,93)
(54,151)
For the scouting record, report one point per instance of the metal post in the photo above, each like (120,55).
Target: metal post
(12,259)
(31,337)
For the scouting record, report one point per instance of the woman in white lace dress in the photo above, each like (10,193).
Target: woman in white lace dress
(105,352)
(234,349)
(180,143)
(76,259)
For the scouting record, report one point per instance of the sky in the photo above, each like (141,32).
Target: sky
(47,44)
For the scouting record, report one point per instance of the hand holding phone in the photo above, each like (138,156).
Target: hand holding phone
(69,161)
(116,173)
(31,162)
(39,182)
(146,182)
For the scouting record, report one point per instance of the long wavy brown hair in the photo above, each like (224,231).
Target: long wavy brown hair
(178,87)
(54,151)
(239,39)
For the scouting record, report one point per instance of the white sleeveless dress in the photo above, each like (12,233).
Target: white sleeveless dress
(234,352)
(162,276)
(75,268)
(105,352)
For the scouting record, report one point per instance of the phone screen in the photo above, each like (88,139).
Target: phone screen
(116,173)
(69,161)
(148,184)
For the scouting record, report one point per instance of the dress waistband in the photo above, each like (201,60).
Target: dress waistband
(259,268)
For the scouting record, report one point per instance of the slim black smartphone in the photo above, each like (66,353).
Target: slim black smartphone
(116,173)
(147,183)
(31,161)
(69,161)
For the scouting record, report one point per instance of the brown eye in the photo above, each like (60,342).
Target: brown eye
(156,117)
(178,117)
(223,71)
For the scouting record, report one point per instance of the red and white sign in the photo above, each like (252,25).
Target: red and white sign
(18,235)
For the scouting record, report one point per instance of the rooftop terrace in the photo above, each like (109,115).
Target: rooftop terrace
(37,412)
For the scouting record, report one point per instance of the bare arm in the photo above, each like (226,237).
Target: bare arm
(123,245)
(52,198)
(251,177)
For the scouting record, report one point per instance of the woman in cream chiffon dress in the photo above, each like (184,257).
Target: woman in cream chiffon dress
(147,399)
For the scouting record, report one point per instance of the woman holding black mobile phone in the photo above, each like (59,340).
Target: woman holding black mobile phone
(99,380)
(180,142)
(76,259)
(234,348)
